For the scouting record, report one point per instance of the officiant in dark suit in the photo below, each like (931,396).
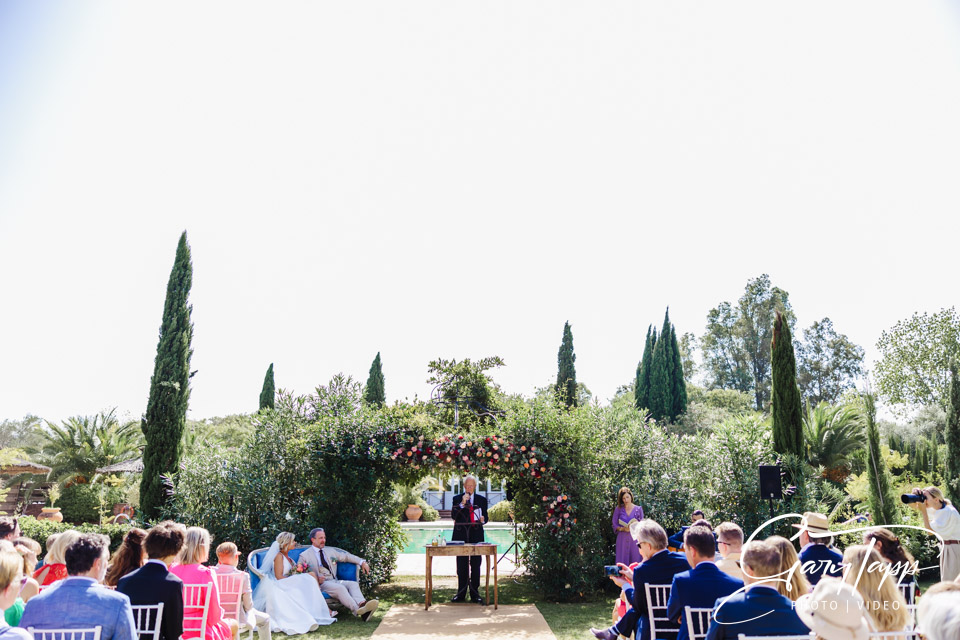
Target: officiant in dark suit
(469,515)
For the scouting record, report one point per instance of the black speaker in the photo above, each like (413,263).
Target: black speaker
(770,486)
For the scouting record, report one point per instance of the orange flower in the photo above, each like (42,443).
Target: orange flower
(409,453)
(526,465)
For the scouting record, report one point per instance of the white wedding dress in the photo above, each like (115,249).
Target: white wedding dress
(295,604)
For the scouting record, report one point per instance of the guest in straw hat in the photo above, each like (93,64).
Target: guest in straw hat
(817,557)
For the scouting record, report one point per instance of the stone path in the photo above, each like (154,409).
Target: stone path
(463,622)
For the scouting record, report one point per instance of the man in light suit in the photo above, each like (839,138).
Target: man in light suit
(323,560)
(79,602)
(469,514)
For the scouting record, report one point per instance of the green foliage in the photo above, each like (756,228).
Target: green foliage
(227,431)
(375,392)
(80,445)
(914,366)
(469,395)
(25,434)
(688,345)
(39,530)
(952,436)
(88,502)
(785,399)
(668,390)
(566,386)
(407,494)
(883,502)
(828,363)
(832,434)
(709,407)
(501,511)
(737,341)
(642,386)
(166,414)
(268,391)
(677,378)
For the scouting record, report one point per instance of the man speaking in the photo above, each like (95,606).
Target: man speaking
(469,513)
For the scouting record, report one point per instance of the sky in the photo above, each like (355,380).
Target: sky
(451,179)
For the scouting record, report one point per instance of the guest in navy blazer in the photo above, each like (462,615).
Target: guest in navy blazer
(817,558)
(153,583)
(759,610)
(676,540)
(701,586)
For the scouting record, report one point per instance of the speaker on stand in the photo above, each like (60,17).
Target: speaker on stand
(771,487)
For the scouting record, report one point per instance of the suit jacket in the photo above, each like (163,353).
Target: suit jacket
(333,555)
(151,584)
(463,529)
(701,586)
(659,569)
(77,603)
(820,556)
(759,611)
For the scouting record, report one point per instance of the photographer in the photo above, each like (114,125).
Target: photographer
(941,517)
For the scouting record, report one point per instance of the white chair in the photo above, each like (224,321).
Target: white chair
(912,610)
(896,635)
(806,636)
(231,599)
(92,633)
(909,591)
(148,618)
(657,597)
(698,621)
(196,607)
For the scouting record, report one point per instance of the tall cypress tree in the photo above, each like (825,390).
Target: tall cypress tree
(375,392)
(883,502)
(166,414)
(785,398)
(661,378)
(679,383)
(952,436)
(268,391)
(642,390)
(566,387)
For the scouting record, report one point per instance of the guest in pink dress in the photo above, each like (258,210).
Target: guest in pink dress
(196,549)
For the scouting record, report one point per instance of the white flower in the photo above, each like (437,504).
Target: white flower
(288,517)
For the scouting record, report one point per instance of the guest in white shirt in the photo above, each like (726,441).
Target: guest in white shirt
(229,556)
(940,516)
(729,543)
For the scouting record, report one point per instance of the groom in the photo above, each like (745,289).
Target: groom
(323,565)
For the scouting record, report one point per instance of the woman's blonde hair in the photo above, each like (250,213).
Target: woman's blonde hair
(11,567)
(56,551)
(936,494)
(284,539)
(196,546)
(884,602)
(797,585)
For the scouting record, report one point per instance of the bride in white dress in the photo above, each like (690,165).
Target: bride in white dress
(293,602)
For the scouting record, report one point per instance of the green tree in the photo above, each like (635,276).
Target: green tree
(883,501)
(736,343)
(566,387)
(375,392)
(679,391)
(828,363)
(661,378)
(688,346)
(914,366)
(642,386)
(953,436)
(785,402)
(80,445)
(268,391)
(464,395)
(832,435)
(22,434)
(166,414)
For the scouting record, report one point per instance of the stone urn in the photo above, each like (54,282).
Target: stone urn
(50,513)
(413,512)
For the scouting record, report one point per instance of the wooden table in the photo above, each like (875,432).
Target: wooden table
(486,549)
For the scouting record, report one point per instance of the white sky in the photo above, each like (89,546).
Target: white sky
(456,179)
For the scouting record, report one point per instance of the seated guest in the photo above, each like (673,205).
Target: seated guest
(196,550)
(153,583)
(11,566)
(127,558)
(759,610)
(228,557)
(658,567)
(817,558)
(938,615)
(28,586)
(729,542)
(901,561)
(9,528)
(701,586)
(871,576)
(792,584)
(79,602)
(834,611)
(54,567)
(29,550)
(676,540)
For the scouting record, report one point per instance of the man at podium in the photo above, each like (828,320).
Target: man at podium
(469,515)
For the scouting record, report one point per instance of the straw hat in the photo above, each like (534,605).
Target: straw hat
(816,524)
(834,611)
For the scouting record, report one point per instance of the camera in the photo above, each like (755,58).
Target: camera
(611,570)
(916,496)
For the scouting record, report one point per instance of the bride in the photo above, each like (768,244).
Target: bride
(293,601)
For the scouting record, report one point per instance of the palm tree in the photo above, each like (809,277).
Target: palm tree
(832,434)
(75,449)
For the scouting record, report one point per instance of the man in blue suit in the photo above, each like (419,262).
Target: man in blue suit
(79,602)
(676,540)
(701,586)
(658,567)
(817,558)
(759,610)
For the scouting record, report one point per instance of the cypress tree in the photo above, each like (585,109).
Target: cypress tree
(679,383)
(883,502)
(375,392)
(642,393)
(268,391)
(952,436)
(661,379)
(166,414)
(566,387)
(785,398)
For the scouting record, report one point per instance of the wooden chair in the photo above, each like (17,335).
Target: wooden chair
(698,621)
(231,599)
(92,633)
(657,597)
(148,618)
(196,607)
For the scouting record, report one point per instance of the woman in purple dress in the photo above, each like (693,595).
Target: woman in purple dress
(627,551)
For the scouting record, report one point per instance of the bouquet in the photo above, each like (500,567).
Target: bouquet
(300,567)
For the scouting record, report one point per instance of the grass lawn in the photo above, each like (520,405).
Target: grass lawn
(567,621)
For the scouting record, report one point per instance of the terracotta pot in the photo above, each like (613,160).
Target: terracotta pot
(413,512)
(50,513)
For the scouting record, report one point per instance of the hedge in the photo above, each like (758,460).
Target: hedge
(39,530)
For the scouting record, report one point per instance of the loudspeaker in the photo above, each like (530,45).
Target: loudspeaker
(770,486)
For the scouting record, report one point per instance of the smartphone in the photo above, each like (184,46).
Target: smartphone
(611,570)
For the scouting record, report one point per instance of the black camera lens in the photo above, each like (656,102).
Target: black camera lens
(909,498)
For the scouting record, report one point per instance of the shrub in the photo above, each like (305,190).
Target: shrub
(83,502)
(39,530)
(501,511)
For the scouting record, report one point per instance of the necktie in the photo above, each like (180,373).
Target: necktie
(470,507)
(323,561)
